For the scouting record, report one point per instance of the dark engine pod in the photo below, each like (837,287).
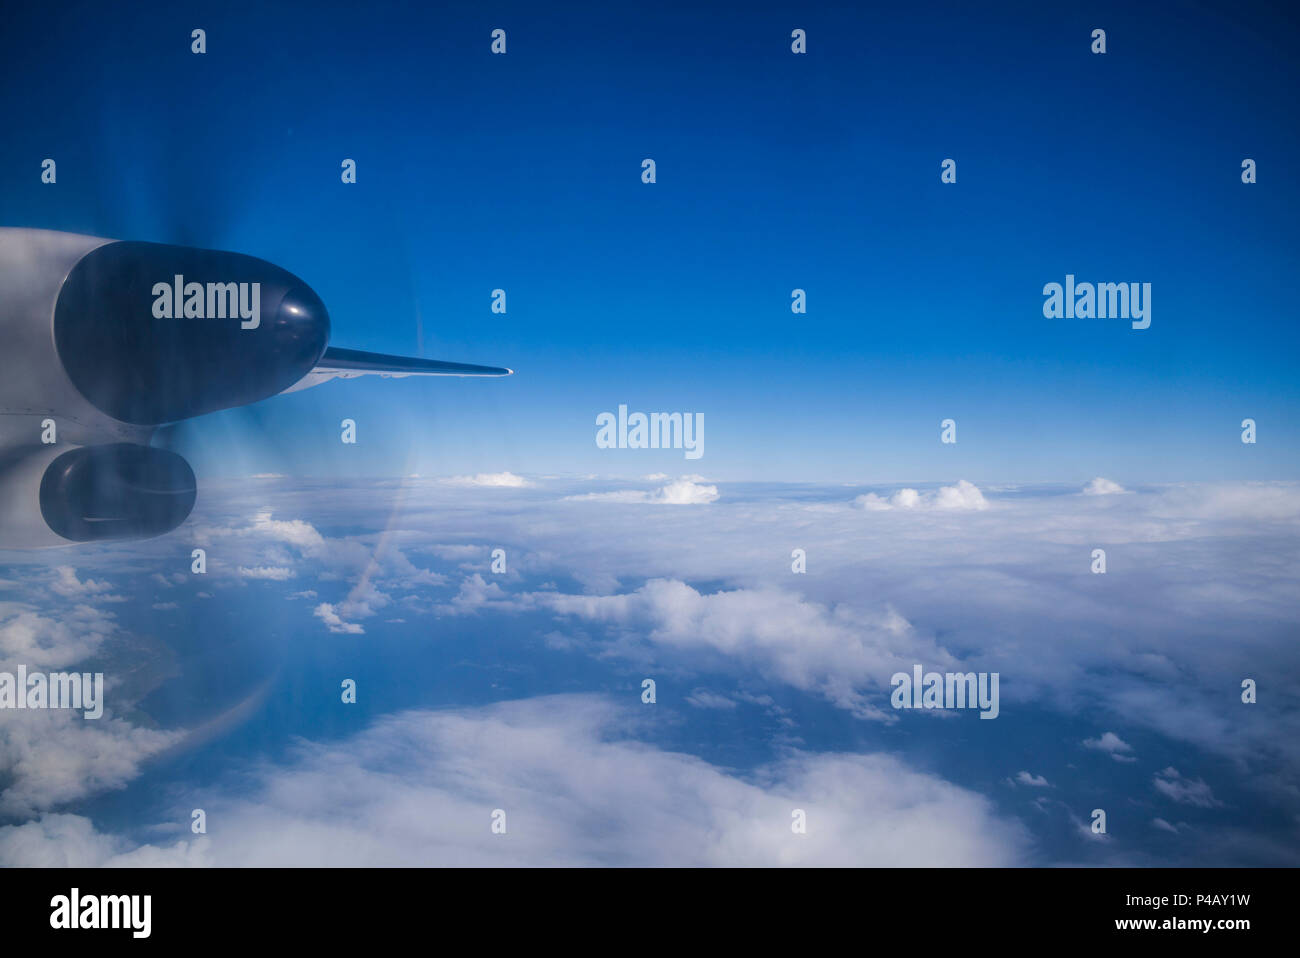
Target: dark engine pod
(116,491)
(151,334)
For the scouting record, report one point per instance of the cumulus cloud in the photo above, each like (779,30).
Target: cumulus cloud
(325,612)
(686,491)
(417,789)
(1113,745)
(837,651)
(276,550)
(52,756)
(492,480)
(49,640)
(63,841)
(964,495)
(1034,781)
(1186,791)
(477,594)
(66,584)
(1102,487)
(293,531)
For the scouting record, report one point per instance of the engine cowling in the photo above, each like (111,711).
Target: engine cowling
(92,493)
(151,333)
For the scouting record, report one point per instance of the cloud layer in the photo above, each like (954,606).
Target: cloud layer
(1198,597)
(420,788)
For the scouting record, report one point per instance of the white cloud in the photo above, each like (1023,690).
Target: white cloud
(325,612)
(1219,501)
(839,652)
(293,531)
(1199,561)
(476,594)
(1102,487)
(685,491)
(264,550)
(1035,781)
(50,757)
(67,584)
(51,640)
(53,756)
(492,480)
(704,699)
(61,841)
(1187,791)
(964,495)
(1113,745)
(417,789)
(1004,589)
(364,600)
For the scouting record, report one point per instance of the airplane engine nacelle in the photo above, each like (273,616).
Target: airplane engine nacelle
(151,334)
(55,496)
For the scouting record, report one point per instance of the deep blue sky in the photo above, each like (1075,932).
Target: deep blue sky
(775,171)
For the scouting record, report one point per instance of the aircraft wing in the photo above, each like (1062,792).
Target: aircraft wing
(350,363)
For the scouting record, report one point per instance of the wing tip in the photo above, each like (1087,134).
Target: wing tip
(336,357)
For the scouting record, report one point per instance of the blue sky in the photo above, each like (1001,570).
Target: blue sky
(775,171)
